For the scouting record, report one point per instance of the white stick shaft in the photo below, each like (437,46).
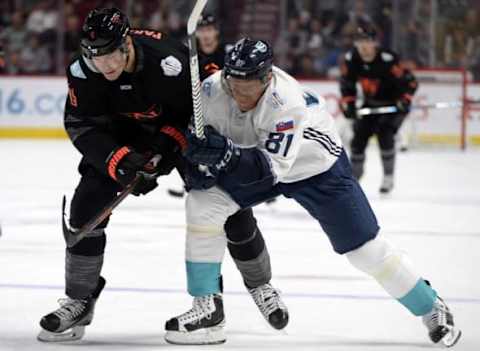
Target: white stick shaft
(367,111)
(194,72)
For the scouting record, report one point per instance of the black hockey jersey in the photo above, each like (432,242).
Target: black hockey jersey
(210,63)
(383,81)
(151,105)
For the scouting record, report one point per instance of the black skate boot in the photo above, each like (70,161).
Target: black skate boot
(68,322)
(201,325)
(441,328)
(271,305)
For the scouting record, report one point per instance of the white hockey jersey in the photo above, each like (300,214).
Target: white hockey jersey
(291,126)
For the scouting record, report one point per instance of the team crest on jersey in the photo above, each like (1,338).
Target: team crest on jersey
(283,126)
(150,113)
(171,66)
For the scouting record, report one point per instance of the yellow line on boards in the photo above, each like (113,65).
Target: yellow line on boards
(33,133)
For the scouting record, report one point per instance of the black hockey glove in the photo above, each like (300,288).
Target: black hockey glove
(404,104)
(199,179)
(125,164)
(349,109)
(214,151)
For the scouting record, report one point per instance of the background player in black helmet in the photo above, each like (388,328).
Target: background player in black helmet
(383,81)
(129,100)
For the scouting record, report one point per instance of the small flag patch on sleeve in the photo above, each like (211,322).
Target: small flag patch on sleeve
(283,126)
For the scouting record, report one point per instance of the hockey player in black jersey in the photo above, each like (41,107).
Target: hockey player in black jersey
(210,46)
(384,82)
(129,101)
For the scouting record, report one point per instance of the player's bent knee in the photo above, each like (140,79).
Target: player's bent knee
(371,255)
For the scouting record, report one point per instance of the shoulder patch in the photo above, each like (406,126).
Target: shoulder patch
(171,66)
(275,100)
(387,57)
(348,56)
(76,70)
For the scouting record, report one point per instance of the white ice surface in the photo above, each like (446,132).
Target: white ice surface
(434,214)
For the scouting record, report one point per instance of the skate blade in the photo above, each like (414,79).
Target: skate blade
(176,193)
(208,336)
(73,334)
(450,339)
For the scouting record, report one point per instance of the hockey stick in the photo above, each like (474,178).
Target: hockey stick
(73,236)
(194,72)
(367,111)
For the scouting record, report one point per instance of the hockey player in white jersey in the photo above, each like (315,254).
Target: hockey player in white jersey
(265,136)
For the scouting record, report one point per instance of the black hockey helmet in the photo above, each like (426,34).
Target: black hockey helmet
(103,31)
(207,20)
(365,30)
(249,59)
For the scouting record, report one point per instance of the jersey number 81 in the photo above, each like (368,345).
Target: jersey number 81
(274,143)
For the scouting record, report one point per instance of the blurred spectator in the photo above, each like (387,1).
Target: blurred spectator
(456,46)
(2,59)
(71,36)
(43,20)
(15,35)
(35,58)
(159,18)
(305,68)
(12,62)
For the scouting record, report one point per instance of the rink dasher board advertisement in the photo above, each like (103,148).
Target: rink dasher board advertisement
(33,107)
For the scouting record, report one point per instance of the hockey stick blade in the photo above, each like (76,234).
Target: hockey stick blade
(73,236)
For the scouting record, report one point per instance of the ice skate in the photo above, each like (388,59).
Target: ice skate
(68,322)
(387,184)
(201,325)
(268,300)
(441,328)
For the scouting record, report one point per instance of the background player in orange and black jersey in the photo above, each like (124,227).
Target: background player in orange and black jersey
(384,82)
(210,47)
(129,98)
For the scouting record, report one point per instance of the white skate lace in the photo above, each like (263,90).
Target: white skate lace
(267,299)
(203,307)
(437,317)
(70,308)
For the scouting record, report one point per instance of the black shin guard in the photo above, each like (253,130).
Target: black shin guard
(83,263)
(247,248)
